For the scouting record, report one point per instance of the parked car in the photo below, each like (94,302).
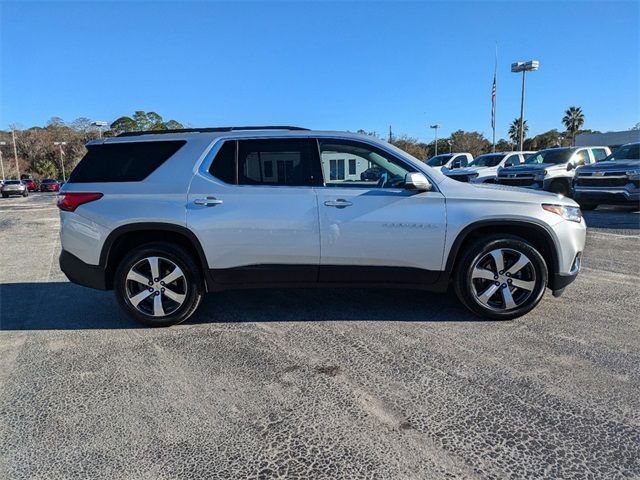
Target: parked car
(31,184)
(450,161)
(162,218)
(613,181)
(14,187)
(484,169)
(552,169)
(49,185)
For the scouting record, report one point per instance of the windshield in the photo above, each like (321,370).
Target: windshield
(625,152)
(439,160)
(550,156)
(12,182)
(490,160)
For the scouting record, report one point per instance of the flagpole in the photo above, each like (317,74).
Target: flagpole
(495,97)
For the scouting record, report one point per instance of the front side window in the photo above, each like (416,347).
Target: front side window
(367,165)
(581,158)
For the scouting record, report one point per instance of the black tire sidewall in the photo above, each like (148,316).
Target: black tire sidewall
(463,286)
(180,257)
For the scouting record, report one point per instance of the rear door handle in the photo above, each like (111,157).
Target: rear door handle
(339,203)
(208,202)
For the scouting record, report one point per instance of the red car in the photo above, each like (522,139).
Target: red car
(31,184)
(49,185)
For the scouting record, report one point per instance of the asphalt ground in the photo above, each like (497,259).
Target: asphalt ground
(317,383)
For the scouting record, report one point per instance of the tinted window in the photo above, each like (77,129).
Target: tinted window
(373,167)
(626,152)
(557,156)
(489,160)
(224,165)
(599,154)
(439,161)
(277,162)
(123,162)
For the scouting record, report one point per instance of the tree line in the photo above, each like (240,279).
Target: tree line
(40,157)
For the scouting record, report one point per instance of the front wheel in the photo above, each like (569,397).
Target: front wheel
(501,277)
(159,284)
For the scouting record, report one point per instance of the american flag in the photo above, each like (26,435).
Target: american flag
(493,103)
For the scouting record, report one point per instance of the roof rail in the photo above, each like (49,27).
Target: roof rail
(212,129)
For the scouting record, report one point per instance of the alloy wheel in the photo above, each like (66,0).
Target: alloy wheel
(156,286)
(503,279)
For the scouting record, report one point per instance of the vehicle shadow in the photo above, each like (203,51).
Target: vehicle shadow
(66,306)
(614,218)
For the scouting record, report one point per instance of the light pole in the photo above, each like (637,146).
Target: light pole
(15,152)
(99,124)
(2,164)
(60,144)
(435,128)
(450,145)
(530,66)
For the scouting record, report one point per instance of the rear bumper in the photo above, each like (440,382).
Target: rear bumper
(92,276)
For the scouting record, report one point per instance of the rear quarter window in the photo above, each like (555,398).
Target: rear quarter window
(123,162)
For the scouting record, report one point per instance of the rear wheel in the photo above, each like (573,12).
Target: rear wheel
(26,193)
(159,284)
(501,277)
(5,195)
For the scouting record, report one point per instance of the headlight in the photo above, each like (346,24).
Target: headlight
(634,174)
(572,214)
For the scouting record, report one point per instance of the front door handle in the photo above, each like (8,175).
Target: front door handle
(208,202)
(339,203)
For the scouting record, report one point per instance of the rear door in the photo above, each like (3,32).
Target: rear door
(372,229)
(254,210)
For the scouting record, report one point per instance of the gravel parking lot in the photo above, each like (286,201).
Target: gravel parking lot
(317,383)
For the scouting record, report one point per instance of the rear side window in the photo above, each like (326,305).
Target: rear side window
(123,162)
(277,162)
(224,165)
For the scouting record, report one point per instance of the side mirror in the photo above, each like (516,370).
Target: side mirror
(417,181)
(570,166)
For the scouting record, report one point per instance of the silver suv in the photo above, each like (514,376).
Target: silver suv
(162,218)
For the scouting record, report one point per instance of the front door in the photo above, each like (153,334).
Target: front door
(255,212)
(371,228)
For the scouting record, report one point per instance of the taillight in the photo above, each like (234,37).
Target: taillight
(71,200)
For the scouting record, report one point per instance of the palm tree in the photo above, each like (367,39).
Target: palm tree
(514,131)
(573,120)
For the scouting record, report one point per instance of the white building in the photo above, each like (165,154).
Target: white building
(608,139)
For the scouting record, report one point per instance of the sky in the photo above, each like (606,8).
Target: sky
(322,65)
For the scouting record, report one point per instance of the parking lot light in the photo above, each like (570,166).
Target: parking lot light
(435,128)
(60,144)
(524,67)
(99,124)
(2,164)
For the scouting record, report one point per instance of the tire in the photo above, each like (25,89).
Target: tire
(189,288)
(588,206)
(25,194)
(560,187)
(470,285)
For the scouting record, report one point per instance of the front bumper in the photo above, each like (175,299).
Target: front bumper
(77,271)
(616,196)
